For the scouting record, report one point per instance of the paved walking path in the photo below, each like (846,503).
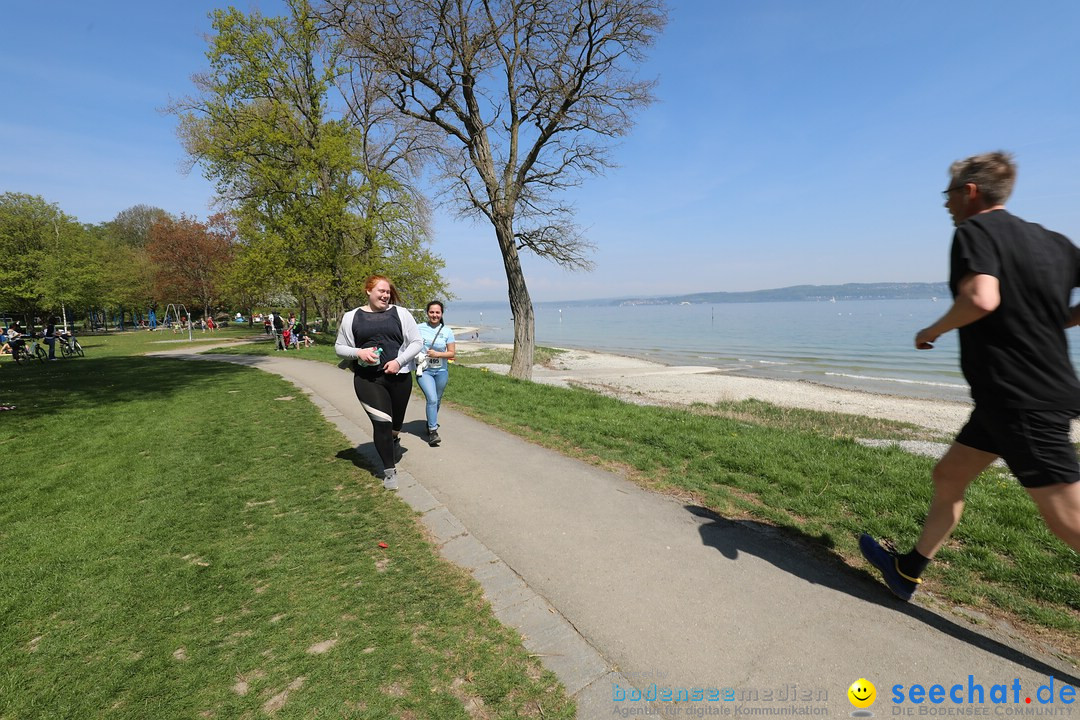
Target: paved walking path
(620,590)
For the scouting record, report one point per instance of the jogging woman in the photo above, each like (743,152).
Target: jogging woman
(381,339)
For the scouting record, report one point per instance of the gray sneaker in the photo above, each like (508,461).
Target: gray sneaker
(390,479)
(433,438)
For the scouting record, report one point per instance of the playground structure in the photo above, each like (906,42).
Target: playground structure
(107,319)
(180,316)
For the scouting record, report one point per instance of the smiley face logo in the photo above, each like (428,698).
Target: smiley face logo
(862,693)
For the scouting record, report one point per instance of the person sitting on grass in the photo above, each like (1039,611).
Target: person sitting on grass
(302,337)
(16,341)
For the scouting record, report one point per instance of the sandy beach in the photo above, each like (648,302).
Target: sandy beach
(644,382)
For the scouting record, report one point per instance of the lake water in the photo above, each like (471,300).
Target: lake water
(857,344)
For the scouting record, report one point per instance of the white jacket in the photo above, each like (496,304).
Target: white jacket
(345,345)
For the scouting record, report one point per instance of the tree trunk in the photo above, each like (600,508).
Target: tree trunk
(520,302)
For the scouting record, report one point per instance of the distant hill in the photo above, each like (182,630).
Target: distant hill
(812,293)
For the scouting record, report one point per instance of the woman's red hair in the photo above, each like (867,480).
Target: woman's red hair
(374,279)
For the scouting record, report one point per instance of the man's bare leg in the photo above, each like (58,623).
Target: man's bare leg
(952,476)
(1060,507)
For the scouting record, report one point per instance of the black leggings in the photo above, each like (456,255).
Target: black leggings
(384,398)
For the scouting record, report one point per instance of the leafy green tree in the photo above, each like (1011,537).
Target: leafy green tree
(128,270)
(52,262)
(130,274)
(27,225)
(132,226)
(77,274)
(525,94)
(297,171)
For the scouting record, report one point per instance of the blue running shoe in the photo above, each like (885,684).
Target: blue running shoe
(901,585)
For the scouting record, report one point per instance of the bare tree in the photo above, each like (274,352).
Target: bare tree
(527,94)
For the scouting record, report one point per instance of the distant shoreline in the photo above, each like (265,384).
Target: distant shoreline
(794,293)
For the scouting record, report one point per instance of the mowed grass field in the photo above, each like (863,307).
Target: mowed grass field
(193,540)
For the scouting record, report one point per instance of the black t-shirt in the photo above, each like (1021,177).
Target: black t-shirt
(377,329)
(1018,355)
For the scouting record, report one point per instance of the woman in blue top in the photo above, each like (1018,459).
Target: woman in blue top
(439,344)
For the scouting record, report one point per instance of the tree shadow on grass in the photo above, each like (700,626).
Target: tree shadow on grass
(44,389)
(774,545)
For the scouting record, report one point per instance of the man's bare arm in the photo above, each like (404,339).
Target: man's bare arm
(977,296)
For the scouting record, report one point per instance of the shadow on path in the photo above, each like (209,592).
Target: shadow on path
(732,537)
(357,459)
(366,458)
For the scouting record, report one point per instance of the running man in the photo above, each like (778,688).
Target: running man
(1011,282)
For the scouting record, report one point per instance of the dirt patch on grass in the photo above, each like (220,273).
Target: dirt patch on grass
(243,682)
(394,689)
(278,701)
(320,648)
(473,704)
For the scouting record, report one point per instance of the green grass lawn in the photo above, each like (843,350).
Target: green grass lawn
(186,540)
(802,471)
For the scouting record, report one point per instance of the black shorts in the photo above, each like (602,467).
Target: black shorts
(1035,444)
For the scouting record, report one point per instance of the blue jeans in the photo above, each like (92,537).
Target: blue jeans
(433,384)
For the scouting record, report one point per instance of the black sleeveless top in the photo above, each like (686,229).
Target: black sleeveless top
(377,329)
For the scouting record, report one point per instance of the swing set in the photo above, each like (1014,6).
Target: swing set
(176,317)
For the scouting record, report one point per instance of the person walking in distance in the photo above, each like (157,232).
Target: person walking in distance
(278,325)
(1011,282)
(381,339)
(439,350)
(50,337)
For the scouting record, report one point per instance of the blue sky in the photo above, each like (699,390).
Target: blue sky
(791,142)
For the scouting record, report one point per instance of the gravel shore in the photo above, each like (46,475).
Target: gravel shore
(649,383)
(644,382)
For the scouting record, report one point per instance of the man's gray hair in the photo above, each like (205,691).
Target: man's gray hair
(994,173)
